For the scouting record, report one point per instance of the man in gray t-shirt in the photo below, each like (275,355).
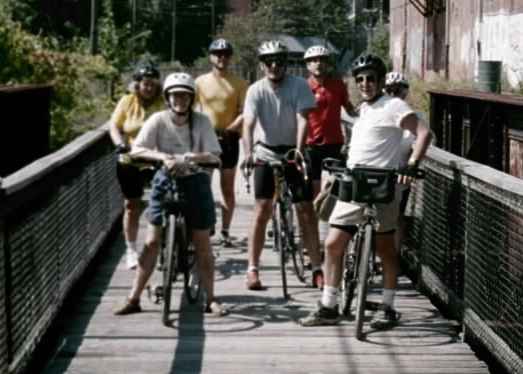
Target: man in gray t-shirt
(275,121)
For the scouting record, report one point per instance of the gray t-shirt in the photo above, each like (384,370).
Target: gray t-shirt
(159,133)
(275,109)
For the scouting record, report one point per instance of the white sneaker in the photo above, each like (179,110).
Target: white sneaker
(132,259)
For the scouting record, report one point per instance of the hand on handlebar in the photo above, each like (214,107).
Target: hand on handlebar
(175,163)
(122,148)
(301,164)
(409,174)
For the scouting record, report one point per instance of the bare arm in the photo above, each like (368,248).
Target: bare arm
(236,125)
(116,134)
(423,136)
(248,131)
(302,130)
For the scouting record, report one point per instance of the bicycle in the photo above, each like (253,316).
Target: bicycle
(367,185)
(177,254)
(284,242)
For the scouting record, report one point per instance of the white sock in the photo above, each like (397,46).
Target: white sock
(252,268)
(329,297)
(388,297)
(131,245)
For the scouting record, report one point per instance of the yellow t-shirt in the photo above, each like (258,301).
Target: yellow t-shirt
(220,98)
(129,115)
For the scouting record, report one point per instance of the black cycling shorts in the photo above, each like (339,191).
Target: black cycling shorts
(317,153)
(230,144)
(264,183)
(132,180)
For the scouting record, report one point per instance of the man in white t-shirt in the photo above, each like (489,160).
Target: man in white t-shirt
(275,121)
(376,141)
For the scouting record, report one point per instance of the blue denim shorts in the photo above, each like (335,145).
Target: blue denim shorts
(198,206)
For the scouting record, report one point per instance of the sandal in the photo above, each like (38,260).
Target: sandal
(216,309)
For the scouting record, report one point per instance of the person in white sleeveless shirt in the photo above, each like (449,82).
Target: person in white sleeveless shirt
(376,141)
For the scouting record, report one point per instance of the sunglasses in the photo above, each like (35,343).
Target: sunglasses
(222,54)
(279,61)
(369,78)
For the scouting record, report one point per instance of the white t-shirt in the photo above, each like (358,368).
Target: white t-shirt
(159,133)
(275,109)
(377,135)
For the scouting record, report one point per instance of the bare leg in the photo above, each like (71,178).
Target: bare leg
(309,223)
(335,244)
(131,217)
(227,177)
(316,187)
(389,257)
(205,260)
(262,215)
(147,261)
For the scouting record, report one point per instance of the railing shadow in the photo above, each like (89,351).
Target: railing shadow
(56,355)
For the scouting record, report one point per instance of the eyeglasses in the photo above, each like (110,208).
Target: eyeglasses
(369,78)
(279,61)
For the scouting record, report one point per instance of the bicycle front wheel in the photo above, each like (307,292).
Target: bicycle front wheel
(296,249)
(279,245)
(363,274)
(169,267)
(350,276)
(191,278)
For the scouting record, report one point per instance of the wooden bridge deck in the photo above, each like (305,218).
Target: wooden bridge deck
(261,335)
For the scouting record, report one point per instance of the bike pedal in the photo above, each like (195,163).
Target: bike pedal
(372,305)
(158,294)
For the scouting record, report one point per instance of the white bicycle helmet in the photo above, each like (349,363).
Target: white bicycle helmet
(394,78)
(179,82)
(271,48)
(316,51)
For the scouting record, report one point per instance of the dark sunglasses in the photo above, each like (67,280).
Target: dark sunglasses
(222,54)
(369,78)
(279,61)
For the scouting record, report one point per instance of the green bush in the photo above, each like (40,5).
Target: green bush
(31,59)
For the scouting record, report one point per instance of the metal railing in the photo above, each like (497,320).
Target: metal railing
(54,216)
(465,246)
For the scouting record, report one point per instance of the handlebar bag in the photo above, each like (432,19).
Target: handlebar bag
(373,185)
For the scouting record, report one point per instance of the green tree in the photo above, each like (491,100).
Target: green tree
(379,43)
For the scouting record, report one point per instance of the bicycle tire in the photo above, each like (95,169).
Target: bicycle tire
(363,273)
(295,249)
(169,267)
(350,276)
(279,246)
(191,279)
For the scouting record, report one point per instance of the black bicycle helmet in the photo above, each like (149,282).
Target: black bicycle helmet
(369,61)
(146,69)
(220,45)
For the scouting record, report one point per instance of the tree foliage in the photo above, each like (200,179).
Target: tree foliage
(29,59)
(326,19)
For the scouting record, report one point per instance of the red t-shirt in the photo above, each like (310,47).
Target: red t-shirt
(325,119)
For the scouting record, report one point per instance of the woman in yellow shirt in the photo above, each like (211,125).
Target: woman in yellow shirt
(128,117)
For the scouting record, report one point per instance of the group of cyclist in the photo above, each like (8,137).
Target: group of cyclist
(205,119)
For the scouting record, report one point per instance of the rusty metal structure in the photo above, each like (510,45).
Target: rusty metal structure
(450,37)
(482,127)
(27,136)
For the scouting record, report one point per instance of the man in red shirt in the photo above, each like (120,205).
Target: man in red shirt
(325,137)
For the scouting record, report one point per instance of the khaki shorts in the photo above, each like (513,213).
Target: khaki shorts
(350,214)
